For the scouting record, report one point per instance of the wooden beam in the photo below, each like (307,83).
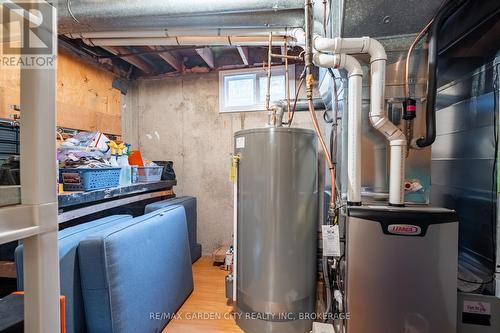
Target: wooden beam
(131,59)
(207,55)
(243,51)
(169,59)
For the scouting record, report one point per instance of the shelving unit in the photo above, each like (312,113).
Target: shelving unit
(34,220)
(10,195)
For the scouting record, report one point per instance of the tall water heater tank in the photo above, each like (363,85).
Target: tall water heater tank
(276,229)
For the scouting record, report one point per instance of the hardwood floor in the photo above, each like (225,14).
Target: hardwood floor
(206,309)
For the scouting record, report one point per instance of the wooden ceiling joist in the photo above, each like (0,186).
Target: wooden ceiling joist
(243,51)
(169,59)
(207,55)
(131,59)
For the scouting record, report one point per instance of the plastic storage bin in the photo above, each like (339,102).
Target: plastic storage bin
(89,179)
(149,174)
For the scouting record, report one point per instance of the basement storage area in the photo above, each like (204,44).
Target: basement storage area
(257,166)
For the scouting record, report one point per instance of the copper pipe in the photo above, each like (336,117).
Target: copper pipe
(287,81)
(408,56)
(331,166)
(286,57)
(295,102)
(269,59)
(410,50)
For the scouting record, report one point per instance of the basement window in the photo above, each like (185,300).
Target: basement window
(244,90)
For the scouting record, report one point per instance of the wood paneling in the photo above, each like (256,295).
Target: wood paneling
(207,299)
(85,97)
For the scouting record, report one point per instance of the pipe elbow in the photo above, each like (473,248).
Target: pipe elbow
(322,44)
(351,46)
(351,65)
(376,50)
(299,35)
(387,128)
(347,62)
(327,60)
(398,139)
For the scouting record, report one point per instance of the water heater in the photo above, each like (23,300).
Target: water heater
(277,214)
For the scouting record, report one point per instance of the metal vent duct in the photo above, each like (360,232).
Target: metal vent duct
(378,18)
(79,16)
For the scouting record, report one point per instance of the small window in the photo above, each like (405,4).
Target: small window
(245,89)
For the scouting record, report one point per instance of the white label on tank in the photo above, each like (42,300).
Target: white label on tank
(482,308)
(240,142)
(331,241)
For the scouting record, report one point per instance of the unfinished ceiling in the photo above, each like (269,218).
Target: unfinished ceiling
(135,38)
(149,39)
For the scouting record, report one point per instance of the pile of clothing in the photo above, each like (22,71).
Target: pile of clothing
(83,162)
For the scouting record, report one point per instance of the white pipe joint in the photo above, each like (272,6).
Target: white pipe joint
(347,62)
(351,46)
(299,36)
(386,127)
(354,107)
(378,117)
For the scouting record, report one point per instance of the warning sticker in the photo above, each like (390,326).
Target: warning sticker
(331,241)
(240,142)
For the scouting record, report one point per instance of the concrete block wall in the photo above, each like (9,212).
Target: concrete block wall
(178,119)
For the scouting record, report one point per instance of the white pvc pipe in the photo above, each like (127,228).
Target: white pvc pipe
(394,135)
(179,32)
(397,172)
(188,41)
(355,80)
(351,46)
(378,117)
(380,157)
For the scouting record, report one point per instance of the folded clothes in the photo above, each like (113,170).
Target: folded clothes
(84,162)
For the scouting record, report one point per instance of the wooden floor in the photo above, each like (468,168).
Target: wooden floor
(205,310)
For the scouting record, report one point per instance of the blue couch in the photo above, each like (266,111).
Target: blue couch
(136,274)
(69,267)
(189,204)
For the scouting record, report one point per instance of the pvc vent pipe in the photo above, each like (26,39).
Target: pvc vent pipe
(378,117)
(355,81)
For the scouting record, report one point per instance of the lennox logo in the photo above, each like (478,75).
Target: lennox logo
(404,229)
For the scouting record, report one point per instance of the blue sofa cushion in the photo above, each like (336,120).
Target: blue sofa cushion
(132,272)
(69,269)
(189,204)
